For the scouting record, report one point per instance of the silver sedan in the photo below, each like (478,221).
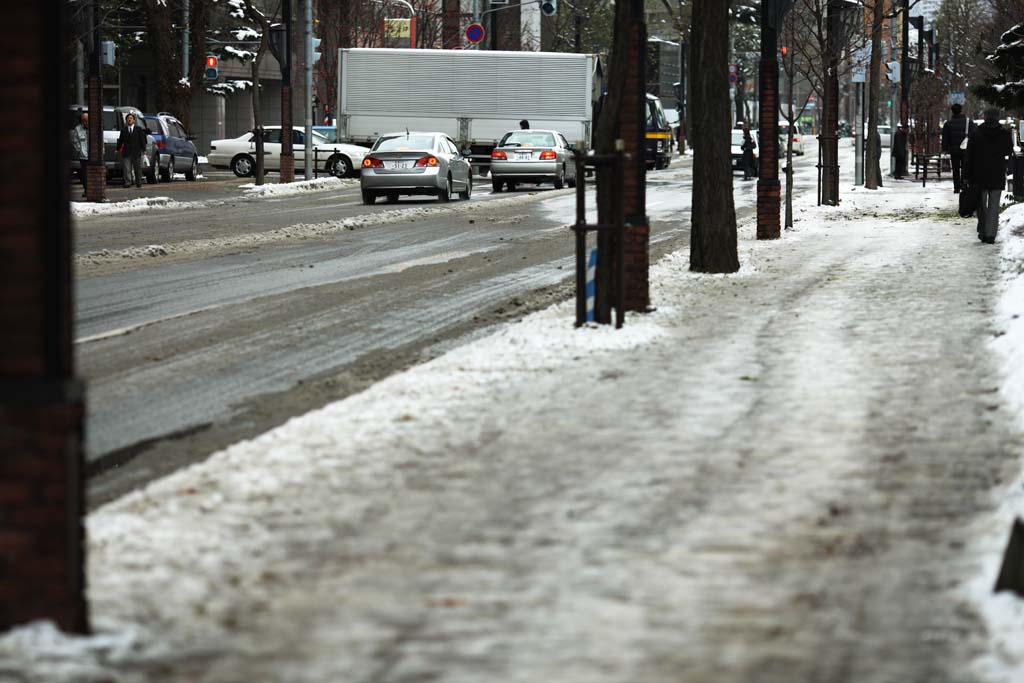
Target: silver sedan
(415,164)
(532,156)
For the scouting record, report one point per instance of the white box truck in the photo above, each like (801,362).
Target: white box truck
(474,96)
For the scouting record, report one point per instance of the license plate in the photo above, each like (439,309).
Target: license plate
(399,164)
(523,156)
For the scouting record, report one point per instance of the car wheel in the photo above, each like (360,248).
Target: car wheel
(496,185)
(151,176)
(571,182)
(469,188)
(560,179)
(445,195)
(369,197)
(339,166)
(167,174)
(243,165)
(511,187)
(392,197)
(193,171)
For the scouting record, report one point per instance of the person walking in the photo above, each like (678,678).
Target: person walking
(80,150)
(985,170)
(954,131)
(899,152)
(748,147)
(132,144)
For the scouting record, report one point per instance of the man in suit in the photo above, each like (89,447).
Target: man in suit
(132,144)
(953,133)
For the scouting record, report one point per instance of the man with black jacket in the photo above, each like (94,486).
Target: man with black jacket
(132,145)
(953,133)
(985,168)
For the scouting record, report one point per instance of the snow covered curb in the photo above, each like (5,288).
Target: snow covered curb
(82,209)
(1004,612)
(252,191)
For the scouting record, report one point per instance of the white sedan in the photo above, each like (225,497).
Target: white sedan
(239,154)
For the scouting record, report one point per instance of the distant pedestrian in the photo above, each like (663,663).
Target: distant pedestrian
(524,125)
(899,151)
(132,144)
(80,150)
(985,169)
(748,148)
(954,132)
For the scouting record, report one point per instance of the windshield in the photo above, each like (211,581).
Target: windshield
(319,138)
(109,118)
(329,134)
(528,139)
(672,116)
(655,115)
(401,143)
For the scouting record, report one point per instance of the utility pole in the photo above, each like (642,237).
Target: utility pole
(830,120)
(308,90)
(905,65)
(185,19)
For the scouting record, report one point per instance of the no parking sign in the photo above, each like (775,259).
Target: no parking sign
(732,74)
(474,33)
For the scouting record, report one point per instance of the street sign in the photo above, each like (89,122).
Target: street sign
(733,69)
(957,98)
(474,33)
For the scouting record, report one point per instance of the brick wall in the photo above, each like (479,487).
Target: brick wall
(41,408)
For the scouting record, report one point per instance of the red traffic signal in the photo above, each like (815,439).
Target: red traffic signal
(211,61)
(783,51)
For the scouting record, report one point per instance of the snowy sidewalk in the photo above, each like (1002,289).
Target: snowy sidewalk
(781,475)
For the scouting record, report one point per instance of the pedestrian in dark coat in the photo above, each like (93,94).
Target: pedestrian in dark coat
(985,168)
(748,148)
(132,145)
(899,151)
(954,131)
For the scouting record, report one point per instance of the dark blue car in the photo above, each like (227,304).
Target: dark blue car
(175,152)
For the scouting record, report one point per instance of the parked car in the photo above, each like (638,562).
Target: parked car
(798,138)
(239,154)
(415,164)
(885,132)
(113,124)
(175,149)
(737,149)
(532,156)
(659,138)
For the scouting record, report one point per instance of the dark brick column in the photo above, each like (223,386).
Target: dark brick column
(769,189)
(96,188)
(633,130)
(41,404)
(287,173)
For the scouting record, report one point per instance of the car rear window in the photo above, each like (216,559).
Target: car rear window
(404,142)
(528,139)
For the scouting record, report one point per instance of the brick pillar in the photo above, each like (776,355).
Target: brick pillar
(633,130)
(41,404)
(96,188)
(287,173)
(769,189)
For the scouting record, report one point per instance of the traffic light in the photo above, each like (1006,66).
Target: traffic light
(211,68)
(549,7)
(894,71)
(783,51)
(316,51)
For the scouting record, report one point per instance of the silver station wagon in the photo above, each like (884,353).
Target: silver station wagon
(532,156)
(415,164)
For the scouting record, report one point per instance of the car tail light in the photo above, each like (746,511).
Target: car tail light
(501,156)
(427,161)
(370,162)
(796,139)
(548,156)
(161,144)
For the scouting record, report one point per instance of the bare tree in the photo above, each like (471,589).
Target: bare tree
(873,177)
(789,110)
(713,238)
(263,21)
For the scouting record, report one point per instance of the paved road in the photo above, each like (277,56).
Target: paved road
(186,356)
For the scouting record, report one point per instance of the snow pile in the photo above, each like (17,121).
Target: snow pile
(1004,612)
(82,209)
(300,187)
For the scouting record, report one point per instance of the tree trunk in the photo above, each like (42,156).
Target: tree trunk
(165,46)
(873,178)
(257,119)
(713,214)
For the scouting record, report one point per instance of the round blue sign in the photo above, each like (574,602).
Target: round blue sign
(474,33)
